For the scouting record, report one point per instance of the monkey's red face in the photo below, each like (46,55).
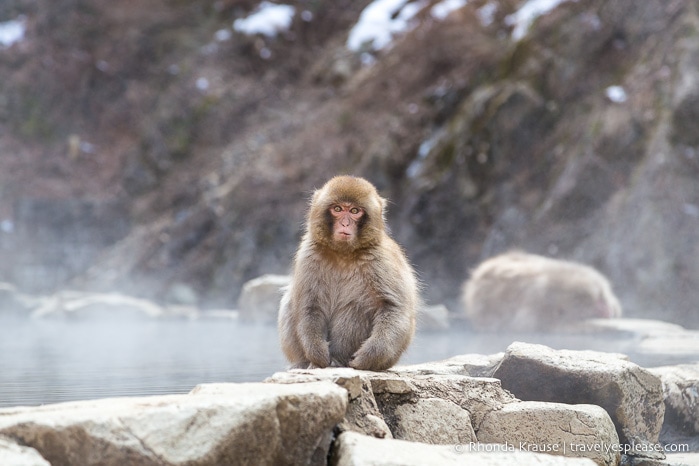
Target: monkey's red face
(346,219)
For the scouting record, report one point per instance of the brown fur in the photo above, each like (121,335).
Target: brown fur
(525,292)
(349,303)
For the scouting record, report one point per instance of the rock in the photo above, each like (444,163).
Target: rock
(529,293)
(219,314)
(12,454)
(216,424)
(353,449)
(426,408)
(474,365)
(433,318)
(478,396)
(260,297)
(681,392)
(433,420)
(631,395)
(80,305)
(555,428)
(650,342)
(362,414)
(626,327)
(85,305)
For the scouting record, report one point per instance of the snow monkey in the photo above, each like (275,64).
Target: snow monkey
(353,295)
(525,292)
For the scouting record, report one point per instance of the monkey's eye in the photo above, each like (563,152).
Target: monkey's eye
(337,208)
(354,210)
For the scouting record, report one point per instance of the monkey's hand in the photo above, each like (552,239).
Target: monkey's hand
(319,354)
(370,357)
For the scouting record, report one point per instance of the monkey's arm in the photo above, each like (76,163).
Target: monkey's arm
(393,323)
(393,328)
(313,331)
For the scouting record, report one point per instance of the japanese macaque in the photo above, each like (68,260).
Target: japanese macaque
(353,296)
(524,292)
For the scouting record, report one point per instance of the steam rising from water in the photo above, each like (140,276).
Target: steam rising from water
(47,361)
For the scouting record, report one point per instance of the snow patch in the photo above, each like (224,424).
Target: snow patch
(268,19)
(442,9)
(12,31)
(523,18)
(380,21)
(486,13)
(616,94)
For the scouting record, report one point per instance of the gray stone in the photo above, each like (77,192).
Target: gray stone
(477,395)
(81,305)
(630,394)
(681,392)
(474,365)
(216,424)
(409,406)
(260,297)
(554,428)
(362,414)
(433,420)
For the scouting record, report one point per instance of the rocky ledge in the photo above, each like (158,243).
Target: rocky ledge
(528,405)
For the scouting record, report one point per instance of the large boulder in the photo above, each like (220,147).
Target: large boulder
(555,428)
(631,395)
(353,449)
(436,409)
(215,424)
(260,297)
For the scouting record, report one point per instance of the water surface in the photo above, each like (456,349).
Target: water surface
(48,361)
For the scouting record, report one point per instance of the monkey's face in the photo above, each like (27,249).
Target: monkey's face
(346,219)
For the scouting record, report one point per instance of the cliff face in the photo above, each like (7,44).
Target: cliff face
(574,137)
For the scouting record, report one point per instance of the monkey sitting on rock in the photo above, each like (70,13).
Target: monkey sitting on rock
(524,292)
(353,296)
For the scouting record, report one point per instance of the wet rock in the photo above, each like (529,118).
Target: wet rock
(474,365)
(433,420)
(436,408)
(362,414)
(81,305)
(681,392)
(477,396)
(584,431)
(215,424)
(260,297)
(17,455)
(630,394)
(352,449)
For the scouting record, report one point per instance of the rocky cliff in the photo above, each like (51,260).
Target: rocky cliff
(568,131)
